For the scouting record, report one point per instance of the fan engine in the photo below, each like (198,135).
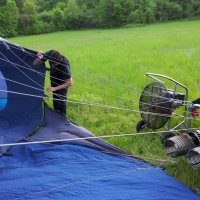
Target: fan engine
(187,144)
(158,104)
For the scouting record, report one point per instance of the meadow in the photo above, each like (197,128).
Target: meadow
(109,71)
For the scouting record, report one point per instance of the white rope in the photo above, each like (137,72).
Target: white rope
(44,90)
(12,63)
(185,103)
(35,56)
(86,138)
(54,60)
(21,84)
(152,95)
(30,69)
(43,75)
(64,96)
(95,104)
(26,84)
(25,62)
(102,106)
(22,71)
(157,114)
(98,104)
(137,90)
(148,105)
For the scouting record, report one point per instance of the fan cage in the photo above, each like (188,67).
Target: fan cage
(155,105)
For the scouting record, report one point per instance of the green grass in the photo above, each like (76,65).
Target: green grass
(109,67)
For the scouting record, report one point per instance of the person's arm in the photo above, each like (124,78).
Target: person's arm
(67,84)
(39,58)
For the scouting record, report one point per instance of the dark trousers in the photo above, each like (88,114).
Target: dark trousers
(59,101)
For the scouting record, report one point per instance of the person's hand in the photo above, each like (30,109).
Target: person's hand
(51,89)
(40,55)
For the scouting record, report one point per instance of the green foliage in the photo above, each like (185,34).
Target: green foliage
(46,16)
(143,11)
(47,5)
(58,19)
(9,15)
(28,18)
(166,10)
(184,4)
(20,4)
(194,8)
(3,2)
(113,13)
(174,11)
(89,3)
(72,14)
(43,16)
(86,17)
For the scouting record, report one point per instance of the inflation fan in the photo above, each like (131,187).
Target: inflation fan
(164,104)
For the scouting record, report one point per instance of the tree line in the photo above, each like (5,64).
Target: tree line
(25,17)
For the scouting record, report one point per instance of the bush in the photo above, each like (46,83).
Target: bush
(9,15)
(174,11)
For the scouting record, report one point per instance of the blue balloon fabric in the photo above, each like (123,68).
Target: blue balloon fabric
(76,172)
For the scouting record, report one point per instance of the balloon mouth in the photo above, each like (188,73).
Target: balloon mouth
(3,103)
(3,92)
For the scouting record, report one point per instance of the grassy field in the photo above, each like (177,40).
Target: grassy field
(109,68)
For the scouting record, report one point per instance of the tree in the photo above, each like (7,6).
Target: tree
(194,9)
(58,19)
(112,13)
(28,18)
(90,4)
(143,11)
(9,15)
(42,16)
(20,4)
(72,14)
(47,5)
(183,5)
(86,17)
(162,10)
(3,2)
(174,11)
